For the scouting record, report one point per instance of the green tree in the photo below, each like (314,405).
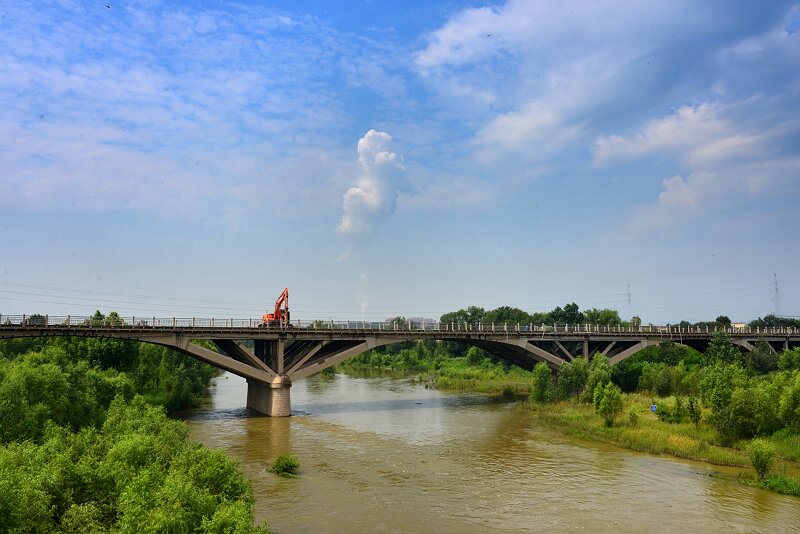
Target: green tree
(762,359)
(716,389)
(789,360)
(771,320)
(608,402)
(604,317)
(114,319)
(723,320)
(570,314)
(475,356)
(572,377)
(470,315)
(599,373)
(789,408)
(695,413)
(762,455)
(542,383)
(507,315)
(721,349)
(754,409)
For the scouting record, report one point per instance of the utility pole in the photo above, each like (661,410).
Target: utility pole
(775,278)
(629,300)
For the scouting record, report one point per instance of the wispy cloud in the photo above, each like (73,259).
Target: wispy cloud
(174,111)
(574,86)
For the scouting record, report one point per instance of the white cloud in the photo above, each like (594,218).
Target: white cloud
(726,151)
(172,112)
(680,193)
(375,194)
(697,135)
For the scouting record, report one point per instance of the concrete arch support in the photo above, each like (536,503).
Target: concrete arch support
(633,349)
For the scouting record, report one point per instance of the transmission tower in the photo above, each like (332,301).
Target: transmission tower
(630,314)
(775,297)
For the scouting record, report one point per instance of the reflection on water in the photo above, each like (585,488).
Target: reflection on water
(388,455)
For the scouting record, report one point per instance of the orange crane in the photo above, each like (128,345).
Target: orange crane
(280,317)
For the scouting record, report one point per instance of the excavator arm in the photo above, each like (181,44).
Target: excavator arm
(280,316)
(282,304)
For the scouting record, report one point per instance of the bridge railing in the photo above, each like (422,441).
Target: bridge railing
(69,321)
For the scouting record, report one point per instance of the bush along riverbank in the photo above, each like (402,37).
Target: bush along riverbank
(442,365)
(81,450)
(708,407)
(715,407)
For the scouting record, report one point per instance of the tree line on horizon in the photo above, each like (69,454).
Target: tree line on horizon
(571,314)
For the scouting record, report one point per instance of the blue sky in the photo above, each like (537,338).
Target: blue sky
(194,158)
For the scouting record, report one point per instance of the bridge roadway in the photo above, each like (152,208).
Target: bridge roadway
(283,354)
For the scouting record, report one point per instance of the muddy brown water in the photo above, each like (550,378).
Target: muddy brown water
(388,455)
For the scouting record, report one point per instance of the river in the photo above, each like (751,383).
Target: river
(388,455)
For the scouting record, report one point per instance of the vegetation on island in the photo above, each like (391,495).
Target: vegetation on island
(285,465)
(86,444)
(723,406)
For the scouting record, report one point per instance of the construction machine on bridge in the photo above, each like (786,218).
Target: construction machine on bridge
(280,317)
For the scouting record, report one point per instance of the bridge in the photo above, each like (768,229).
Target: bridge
(283,354)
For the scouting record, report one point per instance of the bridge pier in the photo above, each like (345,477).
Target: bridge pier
(272,399)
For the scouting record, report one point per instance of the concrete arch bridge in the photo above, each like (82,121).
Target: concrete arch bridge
(287,353)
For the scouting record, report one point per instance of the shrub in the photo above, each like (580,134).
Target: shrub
(633,417)
(789,407)
(722,350)
(672,413)
(782,484)
(542,385)
(762,454)
(286,465)
(572,377)
(789,359)
(610,402)
(695,414)
(599,373)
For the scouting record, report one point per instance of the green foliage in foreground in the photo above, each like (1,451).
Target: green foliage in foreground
(285,465)
(137,472)
(81,452)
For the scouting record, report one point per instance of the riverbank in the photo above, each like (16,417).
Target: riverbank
(451,375)
(640,430)
(643,432)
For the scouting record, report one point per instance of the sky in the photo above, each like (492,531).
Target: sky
(192,159)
